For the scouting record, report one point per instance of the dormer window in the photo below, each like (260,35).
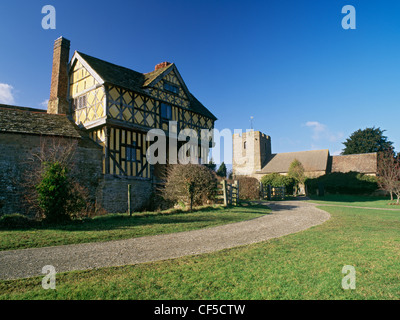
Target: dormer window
(171,87)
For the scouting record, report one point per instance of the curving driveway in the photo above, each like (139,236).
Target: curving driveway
(287,217)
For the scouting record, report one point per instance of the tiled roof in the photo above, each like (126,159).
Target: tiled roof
(364,163)
(136,81)
(315,160)
(15,119)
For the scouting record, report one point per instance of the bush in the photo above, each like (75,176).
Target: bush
(189,183)
(343,183)
(16,221)
(278,180)
(249,188)
(59,197)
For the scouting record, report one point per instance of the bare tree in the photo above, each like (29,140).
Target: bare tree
(55,150)
(389,173)
(192,184)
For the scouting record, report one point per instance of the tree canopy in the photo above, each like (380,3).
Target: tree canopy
(296,172)
(366,141)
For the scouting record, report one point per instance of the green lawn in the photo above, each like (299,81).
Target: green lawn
(121,226)
(305,265)
(356,201)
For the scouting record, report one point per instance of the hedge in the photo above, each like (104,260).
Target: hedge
(249,188)
(343,183)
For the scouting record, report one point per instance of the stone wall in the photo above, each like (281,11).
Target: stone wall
(16,162)
(109,191)
(112,192)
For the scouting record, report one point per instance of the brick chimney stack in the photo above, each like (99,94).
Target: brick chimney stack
(162,65)
(58,103)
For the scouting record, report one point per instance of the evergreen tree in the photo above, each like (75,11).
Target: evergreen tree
(222,170)
(366,141)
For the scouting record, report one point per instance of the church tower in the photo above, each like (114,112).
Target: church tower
(251,150)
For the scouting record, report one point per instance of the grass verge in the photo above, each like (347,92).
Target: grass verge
(355,201)
(121,226)
(305,265)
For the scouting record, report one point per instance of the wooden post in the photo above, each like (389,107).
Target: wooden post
(237,191)
(230,193)
(234,193)
(129,200)
(225,192)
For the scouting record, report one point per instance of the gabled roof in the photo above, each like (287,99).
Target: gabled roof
(364,163)
(154,76)
(315,160)
(132,80)
(15,119)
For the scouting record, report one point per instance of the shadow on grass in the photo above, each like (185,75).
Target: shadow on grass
(347,198)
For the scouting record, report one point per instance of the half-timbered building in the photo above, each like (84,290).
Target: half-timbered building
(115,107)
(118,106)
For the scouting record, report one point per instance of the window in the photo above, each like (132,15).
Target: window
(244,145)
(166,111)
(171,88)
(131,153)
(80,102)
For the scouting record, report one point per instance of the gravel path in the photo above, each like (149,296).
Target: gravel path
(287,217)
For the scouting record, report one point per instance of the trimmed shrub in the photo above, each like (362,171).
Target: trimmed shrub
(249,188)
(278,180)
(58,196)
(16,221)
(343,183)
(189,183)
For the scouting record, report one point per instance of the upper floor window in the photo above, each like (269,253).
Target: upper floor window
(79,102)
(171,87)
(166,111)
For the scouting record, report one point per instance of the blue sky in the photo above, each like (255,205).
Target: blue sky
(307,82)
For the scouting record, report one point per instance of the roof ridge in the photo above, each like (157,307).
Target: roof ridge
(20,108)
(133,80)
(105,61)
(300,151)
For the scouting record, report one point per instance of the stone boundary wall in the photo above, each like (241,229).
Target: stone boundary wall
(112,193)
(16,150)
(109,191)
